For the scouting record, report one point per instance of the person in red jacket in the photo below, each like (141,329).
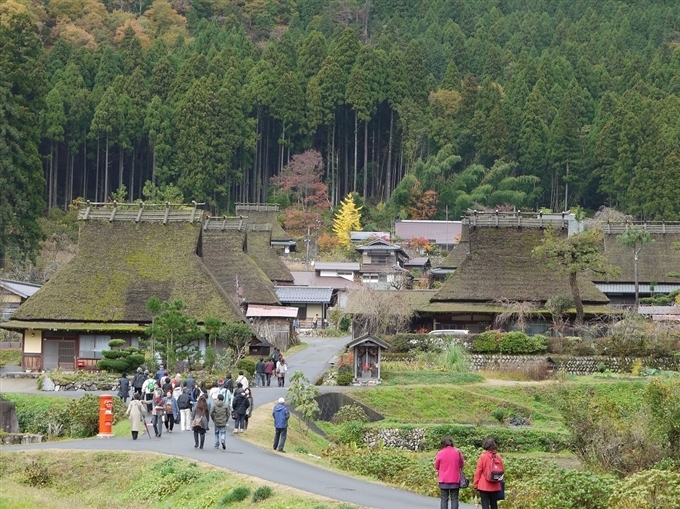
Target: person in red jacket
(488,490)
(449,462)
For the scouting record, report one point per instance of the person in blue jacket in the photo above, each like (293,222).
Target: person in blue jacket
(281,415)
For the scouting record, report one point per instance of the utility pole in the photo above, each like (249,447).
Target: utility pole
(307,248)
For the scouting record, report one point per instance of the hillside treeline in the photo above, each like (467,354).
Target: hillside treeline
(426,107)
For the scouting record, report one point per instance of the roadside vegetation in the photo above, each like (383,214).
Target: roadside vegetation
(10,356)
(53,480)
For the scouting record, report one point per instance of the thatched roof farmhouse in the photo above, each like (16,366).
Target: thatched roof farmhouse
(126,254)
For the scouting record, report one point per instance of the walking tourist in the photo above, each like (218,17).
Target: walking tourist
(281,415)
(449,463)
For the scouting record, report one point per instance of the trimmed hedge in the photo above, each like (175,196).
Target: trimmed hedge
(514,342)
(507,439)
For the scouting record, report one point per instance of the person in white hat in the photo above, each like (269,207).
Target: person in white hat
(281,415)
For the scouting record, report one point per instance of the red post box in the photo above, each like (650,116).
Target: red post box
(105,415)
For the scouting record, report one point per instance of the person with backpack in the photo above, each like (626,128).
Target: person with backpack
(148,390)
(489,474)
(228,384)
(240,406)
(449,465)
(220,416)
(243,380)
(138,382)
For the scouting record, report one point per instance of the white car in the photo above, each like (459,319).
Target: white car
(449,332)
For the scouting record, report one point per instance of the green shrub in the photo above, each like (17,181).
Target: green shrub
(119,361)
(345,378)
(238,494)
(517,342)
(351,432)
(246,365)
(649,488)
(454,358)
(36,475)
(262,493)
(487,342)
(347,413)
(403,343)
(345,323)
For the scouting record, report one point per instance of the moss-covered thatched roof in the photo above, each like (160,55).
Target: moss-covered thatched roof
(119,266)
(258,247)
(656,260)
(266,214)
(459,252)
(223,253)
(501,266)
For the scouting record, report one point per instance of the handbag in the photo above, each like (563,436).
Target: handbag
(196,422)
(500,495)
(464,481)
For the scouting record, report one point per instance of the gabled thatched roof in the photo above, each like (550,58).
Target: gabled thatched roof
(500,266)
(119,266)
(264,213)
(656,260)
(458,253)
(223,253)
(258,246)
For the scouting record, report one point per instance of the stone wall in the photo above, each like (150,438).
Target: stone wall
(20,438)
(47,384)
(570,364)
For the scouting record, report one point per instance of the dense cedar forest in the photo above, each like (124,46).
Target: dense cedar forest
(423,108)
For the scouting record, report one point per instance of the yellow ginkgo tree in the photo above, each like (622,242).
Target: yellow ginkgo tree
(347,219)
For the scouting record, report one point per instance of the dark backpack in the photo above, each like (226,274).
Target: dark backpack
(496,471)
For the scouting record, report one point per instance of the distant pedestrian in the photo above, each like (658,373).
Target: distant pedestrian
(135,412)
(276,355)
(229,383)
(240,406)
(138,381)
(243,380)
(200,421)
(172,416)
(488,489)
(296,325)
(124,390)
(189,383)
(281,370)
(220,417)
(281,415)
(259,372)
(268,370)
(160,374)
(148,390)
(448,463)
(158,412)
(315,321)
(249,413)
(212,393)
(184,405)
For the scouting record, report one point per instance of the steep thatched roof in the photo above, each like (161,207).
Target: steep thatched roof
(656,260)
(459,252)
(258,246)
(223,253)
(500,266)
(119,266)
(264,213)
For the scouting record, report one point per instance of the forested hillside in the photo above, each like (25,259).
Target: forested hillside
(427,107)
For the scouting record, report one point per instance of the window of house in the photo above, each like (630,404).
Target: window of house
(91,345)
(382,278)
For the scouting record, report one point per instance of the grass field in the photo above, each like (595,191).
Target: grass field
(10,356)
(101,480)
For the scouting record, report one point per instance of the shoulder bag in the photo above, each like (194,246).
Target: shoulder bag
(464,481)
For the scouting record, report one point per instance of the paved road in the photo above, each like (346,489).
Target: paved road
(244,457)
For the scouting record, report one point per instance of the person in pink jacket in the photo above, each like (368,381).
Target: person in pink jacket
(449,462)
(488,490)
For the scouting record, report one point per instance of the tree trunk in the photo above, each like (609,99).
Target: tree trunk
(55,176)
(120,168)
(388,191)
(96,174)
(106,169)
(85,168)
(576,294)
(356,142)
(365,159)
(637,282)
(132,178)
(50,180)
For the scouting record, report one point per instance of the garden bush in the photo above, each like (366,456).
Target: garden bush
(247,365)
(487,342)
(349,413)
(121,360)
(404,343)
(345,378)
(649,488)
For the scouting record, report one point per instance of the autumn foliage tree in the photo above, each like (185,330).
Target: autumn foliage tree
(348,219)
(302,179)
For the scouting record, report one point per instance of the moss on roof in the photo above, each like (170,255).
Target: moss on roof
(119,266)
(259,248)
(500,266)
(459,252)
(656,260)
(223,254)
(258,216)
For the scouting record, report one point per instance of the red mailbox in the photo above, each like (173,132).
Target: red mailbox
(105,415)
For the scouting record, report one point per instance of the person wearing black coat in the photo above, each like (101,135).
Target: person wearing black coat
(124,392)
(184,405)
(240,406)
(138,381)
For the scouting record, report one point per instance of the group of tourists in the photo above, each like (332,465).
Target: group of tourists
(488,478)
(275,365)
(192,406)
